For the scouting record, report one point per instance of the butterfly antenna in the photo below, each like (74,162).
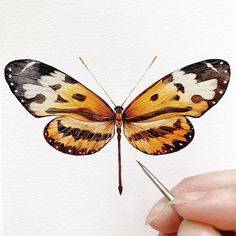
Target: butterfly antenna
(139,80)
(96,80)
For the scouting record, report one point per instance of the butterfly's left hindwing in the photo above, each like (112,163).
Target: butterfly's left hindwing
(75,137)
(44,90)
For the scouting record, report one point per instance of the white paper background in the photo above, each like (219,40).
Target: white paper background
(46,192)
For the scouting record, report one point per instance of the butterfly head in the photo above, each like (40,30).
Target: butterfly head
(119,109)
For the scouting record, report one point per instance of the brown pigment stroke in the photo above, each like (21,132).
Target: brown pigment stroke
(152,133)
(78,133)
(86,112)
(159,112)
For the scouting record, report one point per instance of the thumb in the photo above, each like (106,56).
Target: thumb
(216,207)
(187,228)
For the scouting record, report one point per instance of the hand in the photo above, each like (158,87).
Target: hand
(209,199)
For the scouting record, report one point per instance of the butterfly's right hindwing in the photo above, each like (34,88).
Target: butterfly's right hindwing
(160,137)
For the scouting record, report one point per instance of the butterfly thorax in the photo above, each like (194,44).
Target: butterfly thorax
(119,116)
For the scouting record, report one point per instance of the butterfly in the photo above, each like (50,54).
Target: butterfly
(155,122)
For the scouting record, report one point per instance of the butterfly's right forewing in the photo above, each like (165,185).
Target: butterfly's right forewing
(189,91)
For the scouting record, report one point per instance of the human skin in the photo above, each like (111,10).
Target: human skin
(208,201)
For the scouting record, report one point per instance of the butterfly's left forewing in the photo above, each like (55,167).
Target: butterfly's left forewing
(46,91)
(190,91)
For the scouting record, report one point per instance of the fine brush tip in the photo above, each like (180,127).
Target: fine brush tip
(140,164)
(158,184)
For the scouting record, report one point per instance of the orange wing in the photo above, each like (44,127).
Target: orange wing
(160,137)
(190,91)
(155,121)
(75,137)
(44,90)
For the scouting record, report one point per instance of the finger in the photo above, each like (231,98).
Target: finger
(205,182)
(160,214)
(216,208)
(187,228)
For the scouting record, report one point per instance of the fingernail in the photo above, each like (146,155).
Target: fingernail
(156,211)
(187,197)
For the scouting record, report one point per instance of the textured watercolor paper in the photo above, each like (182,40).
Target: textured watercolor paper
(46,192)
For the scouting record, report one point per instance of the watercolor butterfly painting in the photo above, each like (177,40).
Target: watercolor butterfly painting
(155,122)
